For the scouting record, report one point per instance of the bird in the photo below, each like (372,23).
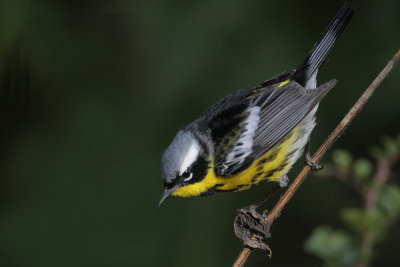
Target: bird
(252,135)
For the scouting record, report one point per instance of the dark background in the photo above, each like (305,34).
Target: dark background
(92,92)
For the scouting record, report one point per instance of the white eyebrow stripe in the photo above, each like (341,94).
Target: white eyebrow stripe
(190,157)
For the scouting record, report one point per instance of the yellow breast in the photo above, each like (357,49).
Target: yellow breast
(269,167)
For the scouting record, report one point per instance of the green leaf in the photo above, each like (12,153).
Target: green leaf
(335,248)
(376,152)
(389,201)
(362,168)
(342,159)
(353,217)
(398,140)
(390,146)
(364,221)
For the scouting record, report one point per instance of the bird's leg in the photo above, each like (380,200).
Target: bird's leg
(315,166)
(266,197)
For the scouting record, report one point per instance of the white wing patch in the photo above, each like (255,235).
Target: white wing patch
(191,156)
(244,145)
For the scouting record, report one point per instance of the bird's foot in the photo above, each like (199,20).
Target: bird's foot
(315,166)
(283,181)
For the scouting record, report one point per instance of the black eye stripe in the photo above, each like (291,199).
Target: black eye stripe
(199,170)
(186,174)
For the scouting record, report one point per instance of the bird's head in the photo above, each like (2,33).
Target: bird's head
(184,165)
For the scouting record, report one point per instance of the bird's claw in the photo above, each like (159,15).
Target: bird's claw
(315,166)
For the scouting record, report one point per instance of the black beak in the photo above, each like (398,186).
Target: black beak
(166,194)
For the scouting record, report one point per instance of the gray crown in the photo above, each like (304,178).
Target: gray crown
(173,157)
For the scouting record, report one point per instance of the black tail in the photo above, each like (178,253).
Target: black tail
(321,48)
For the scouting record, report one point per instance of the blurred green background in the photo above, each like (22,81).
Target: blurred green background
(92,92)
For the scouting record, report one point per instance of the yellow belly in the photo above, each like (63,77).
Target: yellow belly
(269,167)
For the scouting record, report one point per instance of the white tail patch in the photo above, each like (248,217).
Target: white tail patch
(312,81)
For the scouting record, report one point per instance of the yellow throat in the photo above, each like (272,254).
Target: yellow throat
(269,167)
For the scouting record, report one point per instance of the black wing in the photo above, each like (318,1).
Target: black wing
(248,123)
(288,106)
(225,121)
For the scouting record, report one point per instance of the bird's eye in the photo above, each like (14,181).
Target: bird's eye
(187,175)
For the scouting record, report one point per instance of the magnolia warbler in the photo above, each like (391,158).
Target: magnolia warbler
(252,135)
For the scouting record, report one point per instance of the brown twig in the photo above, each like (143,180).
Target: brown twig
(244,254)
